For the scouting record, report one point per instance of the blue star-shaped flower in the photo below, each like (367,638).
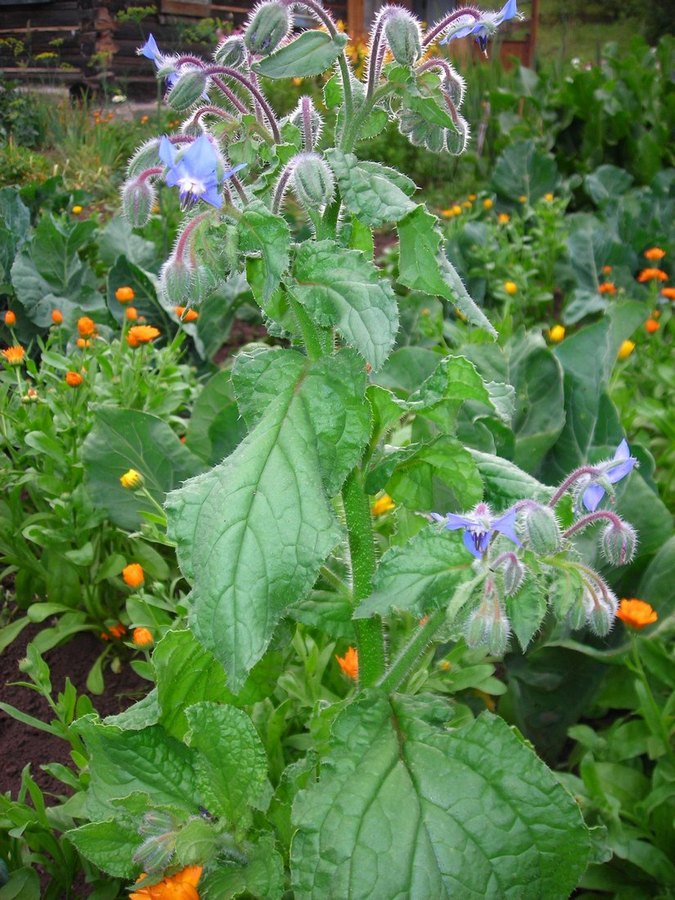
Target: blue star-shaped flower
(150,50)
(485,26)
(480,526)
(194,172)
(614,470)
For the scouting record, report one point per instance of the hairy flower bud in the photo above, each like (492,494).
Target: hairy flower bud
(146,157)
(402,33)
(513,573)
(488,625)
(618,542)
(204,282)
(230,52)
(601,606)
(306,117)
(542,530)
(138,198)
(175,282)
(268,26)
(188,88)
(454,85)
(456,141)
(313,181)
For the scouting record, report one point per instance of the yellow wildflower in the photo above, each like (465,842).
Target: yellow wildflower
(626,349)
(511,287)
(488,203)
(557,333)
(131,479)
(503,218)
(382,505)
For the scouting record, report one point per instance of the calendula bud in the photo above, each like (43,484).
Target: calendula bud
(542,530)
(313,181)
(268,26)
(618,542)
(402,33)
(456,141)
(175,281)
(230,52)
(138,198)
(188,89)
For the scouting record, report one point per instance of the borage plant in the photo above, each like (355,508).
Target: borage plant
(249,768)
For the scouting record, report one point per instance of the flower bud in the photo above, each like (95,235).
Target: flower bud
(402,33)
(600,605)
(542,530)
(268,26)
(146,157)
(138,198)
(454,85)
(188,89)
(488,625)
(313,181)
(230,52)
(175,281)
(456,141)
(204,282)
(513,573)
(304,116)
(618,542)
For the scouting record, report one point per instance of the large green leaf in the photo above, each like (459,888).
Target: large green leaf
(123,439)
(522,170)
(263,234)
(261,876)
(374,193)
(215,428)
(424,267)
(505,482)
(252,533)
(118,239)
(420,576)
(231,764)
(657,585)
(309,54)
(110,845)
(403,809)
(342,288)
(440,476)
(15,219)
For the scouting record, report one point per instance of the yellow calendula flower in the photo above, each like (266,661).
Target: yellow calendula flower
(503,218)
(511,287)
(471,197)
(488,203)
(76,210)
(382,505)
(131,479)
(522,198)
(557,333)
(549,198)
(457,209)
(626,349)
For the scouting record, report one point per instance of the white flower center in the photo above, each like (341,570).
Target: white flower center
(193,186)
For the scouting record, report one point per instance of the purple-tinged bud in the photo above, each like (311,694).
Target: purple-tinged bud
(175,282)
(457,141)
(313,182)
(402,33)
(306,117)
(138,198)
(488,625)
(230,52)
(541,530)
(600,606)
(454,86)
(146,157)
(618,543)
(187,90)
(268,26)
(513,573)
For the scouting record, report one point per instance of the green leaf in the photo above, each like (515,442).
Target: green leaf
(405,809)
(374,193)
(420,576)
(195,842)
(333,389)
(215,428)
(309,54)
(524,171)
(123,439)
(252,533)
(657,585)
(454,380)
(505,482)
(439,476)
(231,763)
(526,611)
(607,184)
(147,761)
(186,674)
(118,239)
(139,715)
(262,877)
(110,845)
(263,234)
(23,884)
(341,288)
(424,267)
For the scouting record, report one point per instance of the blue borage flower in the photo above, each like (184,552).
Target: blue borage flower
(150,50)
(613,470)
(195,171)
(480,526)
(482,28)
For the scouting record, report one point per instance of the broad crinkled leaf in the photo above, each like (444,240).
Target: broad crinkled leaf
(263,234)
(231,764)
(309,54)
(405,809)
(424,267)
(333,393)
(252,533)
(342,288)
(439,476)
(422,575)
(110,845)
(371,191)
(262,877)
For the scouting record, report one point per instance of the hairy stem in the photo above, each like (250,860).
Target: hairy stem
(410,654)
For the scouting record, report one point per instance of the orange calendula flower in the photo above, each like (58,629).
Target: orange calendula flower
(82,343)
(668,292)
(131,313)
(382,505)
(86,326)
(142,637)
(457,209)
(606,270)
(651,325)
(181,886)
(626,349)
(74,379)
(144,119)
(57,317)
(142,334)
(115,631)
(654,254)
(349,663)
(608,287)
(447,213)
(15,355)
(488,203)
(133,575)
(652,275)
(557,333)
(471,197)
(511,287)
(10,318)
(503,218)
(636,613)
(187,315)
(124,294)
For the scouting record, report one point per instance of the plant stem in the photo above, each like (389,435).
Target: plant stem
(404,662)
(308,329)
(362,554)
